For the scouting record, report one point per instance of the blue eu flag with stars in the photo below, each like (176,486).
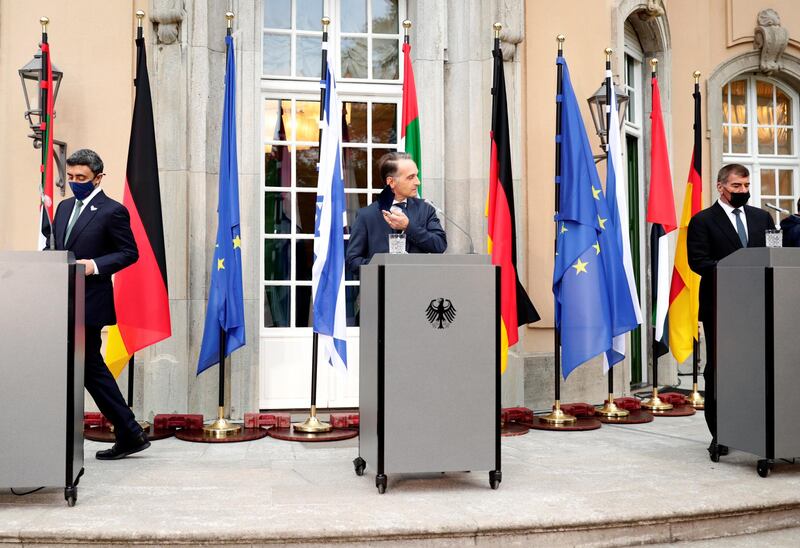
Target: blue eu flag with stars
(225,312)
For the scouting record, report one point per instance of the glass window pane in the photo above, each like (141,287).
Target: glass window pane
(355,167)
(788,205)
(276,306)
(353,202)
(354,57)
(307,211)
(739,102)
(304,316)
(278,14)
(277,213)
(304,259)
(725,109)
(277,54)
(785,141)
(307,158)
(766,140)
(307,122)
(308,15)
(739,140)
(309,56)
(377,153)
(785,182)
(354,129)
(277,113)
(764,103)
(354,15)
(384,123)
(353,305)
(277,259)
(277,166)
(385,65)
(783,109)
(384,16)
(726,146)
(768,182)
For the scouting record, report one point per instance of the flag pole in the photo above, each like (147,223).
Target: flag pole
(610,408)
(312,424)
(222,427)
(557,417)
(695,399)
(45,114)
(655,403)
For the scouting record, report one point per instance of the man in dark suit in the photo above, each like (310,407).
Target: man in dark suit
(790,226)
(713,234)
(397,209)
(98,232)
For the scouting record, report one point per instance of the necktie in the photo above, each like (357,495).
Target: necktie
(740,226)
(75,213)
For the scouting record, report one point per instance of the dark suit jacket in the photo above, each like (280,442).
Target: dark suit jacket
(102,233)
(711,238)
(370,233)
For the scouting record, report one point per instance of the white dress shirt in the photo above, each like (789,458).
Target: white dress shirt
(729,212)
(88,199)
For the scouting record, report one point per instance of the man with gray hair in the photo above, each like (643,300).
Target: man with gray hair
(97,230)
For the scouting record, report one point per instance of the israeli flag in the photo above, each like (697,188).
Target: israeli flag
(327,275)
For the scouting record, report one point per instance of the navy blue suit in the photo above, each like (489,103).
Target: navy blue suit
(101,233)
(370,232)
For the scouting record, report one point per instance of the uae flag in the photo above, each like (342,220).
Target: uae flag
(661,213)
(515,306)
(684,293)
(46,125)
(140,291)
(410,121)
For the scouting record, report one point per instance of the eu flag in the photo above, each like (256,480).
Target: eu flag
(225,312)
(580,286)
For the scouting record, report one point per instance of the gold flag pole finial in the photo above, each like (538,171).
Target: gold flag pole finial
(608,51)
(325,22)
(406,26)
(560,39)
(497,28)
(44,21)
(229,17)
(696,75)
(139,17)
(653,64)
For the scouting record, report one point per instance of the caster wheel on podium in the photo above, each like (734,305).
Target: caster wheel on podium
(763,467)
(380,483)
(495,477)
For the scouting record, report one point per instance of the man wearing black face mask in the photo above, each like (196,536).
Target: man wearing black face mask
(713,234)
(98,232)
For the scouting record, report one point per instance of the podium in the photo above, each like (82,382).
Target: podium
(758,313)
(41,370)
(429,382)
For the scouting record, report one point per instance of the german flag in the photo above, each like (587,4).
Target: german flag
(140,291)
(515,306)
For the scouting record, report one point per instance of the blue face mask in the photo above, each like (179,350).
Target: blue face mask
(82,190)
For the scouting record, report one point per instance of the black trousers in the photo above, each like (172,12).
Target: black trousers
(100,383)
(710,377)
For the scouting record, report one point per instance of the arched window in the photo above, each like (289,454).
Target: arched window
(759,130)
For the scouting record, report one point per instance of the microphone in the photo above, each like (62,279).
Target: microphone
(450,219)
(778,209)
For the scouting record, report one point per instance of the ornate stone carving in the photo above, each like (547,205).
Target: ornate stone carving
(511,14)
(167,16)
(654,9)
(771,38)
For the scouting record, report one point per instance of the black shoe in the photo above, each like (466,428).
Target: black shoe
(120,450)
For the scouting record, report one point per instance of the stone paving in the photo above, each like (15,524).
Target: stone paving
(619,485)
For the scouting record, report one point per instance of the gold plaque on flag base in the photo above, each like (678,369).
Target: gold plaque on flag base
(610,409)
(558,417)
(222,427)
(312,424)
(655,404)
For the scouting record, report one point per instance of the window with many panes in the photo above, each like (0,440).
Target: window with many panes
(759,121)
(365,41)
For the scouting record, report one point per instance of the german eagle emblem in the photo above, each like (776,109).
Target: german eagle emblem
(440,313)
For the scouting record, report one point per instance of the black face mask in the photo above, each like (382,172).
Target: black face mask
(738,199)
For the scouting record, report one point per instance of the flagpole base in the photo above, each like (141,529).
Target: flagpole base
(695,399)
(655,403)
(611,410)
(558,416)
(222,427)
(312,424)
(144,425)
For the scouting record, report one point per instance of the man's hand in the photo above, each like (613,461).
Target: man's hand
(397,221)
(88,265)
